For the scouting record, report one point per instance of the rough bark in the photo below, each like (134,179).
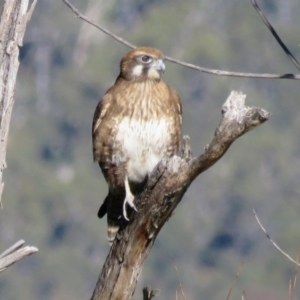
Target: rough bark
(14,18)
(164,190)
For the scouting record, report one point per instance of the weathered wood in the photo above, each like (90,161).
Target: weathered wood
(14,18)
(14,254)
(164,190)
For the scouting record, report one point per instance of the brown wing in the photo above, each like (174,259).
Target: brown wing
(102,127)
(177,119)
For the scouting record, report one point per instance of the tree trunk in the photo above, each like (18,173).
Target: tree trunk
(14,19)
(164,190)
(12,28)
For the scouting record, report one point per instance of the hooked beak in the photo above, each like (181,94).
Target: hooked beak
(160,66)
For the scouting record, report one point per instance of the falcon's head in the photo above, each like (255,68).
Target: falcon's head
(142,63)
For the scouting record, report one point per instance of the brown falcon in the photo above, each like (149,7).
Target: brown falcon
(136,124)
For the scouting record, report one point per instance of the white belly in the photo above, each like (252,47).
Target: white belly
(143,145)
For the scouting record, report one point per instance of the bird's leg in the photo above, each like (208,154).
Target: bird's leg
(129,198)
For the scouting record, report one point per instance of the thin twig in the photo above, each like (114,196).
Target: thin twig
(103,29)
(293,283)
(232,74)
(290,290)
(244,297)
(276,36)
(235,280)
(296,272)
(30,11)
(179,284)
(179,62)
(274,244)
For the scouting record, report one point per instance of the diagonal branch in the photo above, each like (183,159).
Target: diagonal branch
(276,36)
(237,120)
(103,29)
(179,62)
(164,190)
(274,244)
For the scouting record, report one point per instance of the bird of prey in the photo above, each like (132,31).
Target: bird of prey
(136,124)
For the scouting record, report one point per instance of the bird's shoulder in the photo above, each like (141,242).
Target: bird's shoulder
(108,105)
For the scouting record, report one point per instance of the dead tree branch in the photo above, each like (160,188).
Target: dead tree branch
(164,190)
(103,29)
(274,244)
(179,62)
(276,36)
(14,254)
(14,19)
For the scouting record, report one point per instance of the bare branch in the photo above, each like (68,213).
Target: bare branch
(14,254)
(296,272)
(276,36)
(179,62)
(235,280)
(103,29)
(13,248)
(237,120)
(30,11)
(293,283)
(274,244)
(232,74)
(179,284)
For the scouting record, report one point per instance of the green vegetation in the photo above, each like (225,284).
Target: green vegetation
(53,190)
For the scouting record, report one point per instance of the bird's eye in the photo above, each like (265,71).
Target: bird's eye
(146,59)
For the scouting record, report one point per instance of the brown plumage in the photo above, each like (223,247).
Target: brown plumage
(136,124)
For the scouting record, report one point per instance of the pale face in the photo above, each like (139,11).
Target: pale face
(148,66)
(143,64)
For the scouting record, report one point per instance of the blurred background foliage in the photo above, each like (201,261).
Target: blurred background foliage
(53,189)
